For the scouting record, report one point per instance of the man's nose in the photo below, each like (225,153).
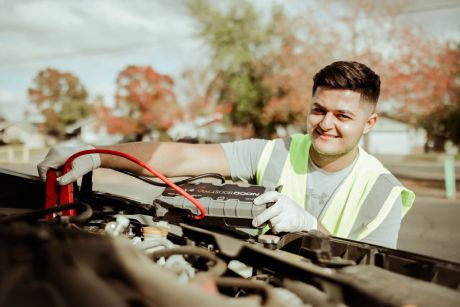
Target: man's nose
(327,122)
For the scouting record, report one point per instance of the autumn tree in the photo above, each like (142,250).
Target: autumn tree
(238,39)
(144,102)
(445,97)
(425,84)
(452,121)
(289,67)
(61,98)
(197,86)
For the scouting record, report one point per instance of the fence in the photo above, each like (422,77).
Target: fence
(21,154)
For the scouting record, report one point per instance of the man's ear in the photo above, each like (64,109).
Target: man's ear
(371,120)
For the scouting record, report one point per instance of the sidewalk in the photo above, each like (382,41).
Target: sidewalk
(429,190)
(424,177)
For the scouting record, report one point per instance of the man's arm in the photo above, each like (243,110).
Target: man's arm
(169,158)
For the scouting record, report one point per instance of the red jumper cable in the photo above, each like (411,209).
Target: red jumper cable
(66,191)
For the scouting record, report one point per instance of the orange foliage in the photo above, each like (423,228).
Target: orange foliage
(61,98)
(424,81)
(288,71)
(145,101)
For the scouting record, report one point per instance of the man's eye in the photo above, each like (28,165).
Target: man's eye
(343,116)
(318,110)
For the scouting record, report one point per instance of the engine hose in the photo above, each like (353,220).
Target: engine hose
(216,270)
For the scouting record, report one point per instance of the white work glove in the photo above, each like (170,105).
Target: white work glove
(285,215)
(57,156)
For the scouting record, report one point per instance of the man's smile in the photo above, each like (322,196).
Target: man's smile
(323,135)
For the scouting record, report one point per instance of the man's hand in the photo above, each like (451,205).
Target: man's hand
(57,156)
(285,215)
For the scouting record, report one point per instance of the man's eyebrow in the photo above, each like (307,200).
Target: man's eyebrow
(348,112)
(341,111)
(316,104)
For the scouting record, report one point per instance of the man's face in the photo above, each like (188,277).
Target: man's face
(337,120)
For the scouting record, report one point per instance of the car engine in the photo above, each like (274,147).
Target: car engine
(116,251)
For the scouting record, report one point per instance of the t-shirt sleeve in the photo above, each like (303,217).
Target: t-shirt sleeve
(243,157)
(387,233)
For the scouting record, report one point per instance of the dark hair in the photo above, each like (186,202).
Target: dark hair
(351,76)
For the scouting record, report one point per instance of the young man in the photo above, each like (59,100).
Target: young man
(328,182)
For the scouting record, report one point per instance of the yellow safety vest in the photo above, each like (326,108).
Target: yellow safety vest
(340,217)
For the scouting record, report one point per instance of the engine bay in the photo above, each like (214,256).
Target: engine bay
(122,252)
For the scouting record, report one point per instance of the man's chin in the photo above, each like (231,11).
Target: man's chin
(327,150)
(329,153)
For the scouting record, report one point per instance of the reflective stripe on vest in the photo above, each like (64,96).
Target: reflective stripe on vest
(360,204)
(372,208)
(294,175)
(273,150)
(274,169)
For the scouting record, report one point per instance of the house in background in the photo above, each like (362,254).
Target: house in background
(89,131)
(203,128)
(393,137)
(25,133)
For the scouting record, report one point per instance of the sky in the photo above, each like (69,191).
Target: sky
(95,40)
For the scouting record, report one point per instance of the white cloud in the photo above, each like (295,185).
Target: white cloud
(32,30)
(38,16)
(12,104)
(6,97)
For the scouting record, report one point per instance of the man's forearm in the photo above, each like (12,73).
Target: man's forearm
(140,150)
(169,158)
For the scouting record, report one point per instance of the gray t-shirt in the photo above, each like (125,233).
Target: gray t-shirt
(243,157)
(321,187)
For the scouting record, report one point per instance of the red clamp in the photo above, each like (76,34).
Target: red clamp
(58,195)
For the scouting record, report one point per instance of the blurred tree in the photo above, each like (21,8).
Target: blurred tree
(61,98)
(145,102)
(201,89)
(452,95)
(299,51)
(453,124)
(426,83)
(238,39)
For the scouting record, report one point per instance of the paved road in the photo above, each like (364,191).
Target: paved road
(431,227)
